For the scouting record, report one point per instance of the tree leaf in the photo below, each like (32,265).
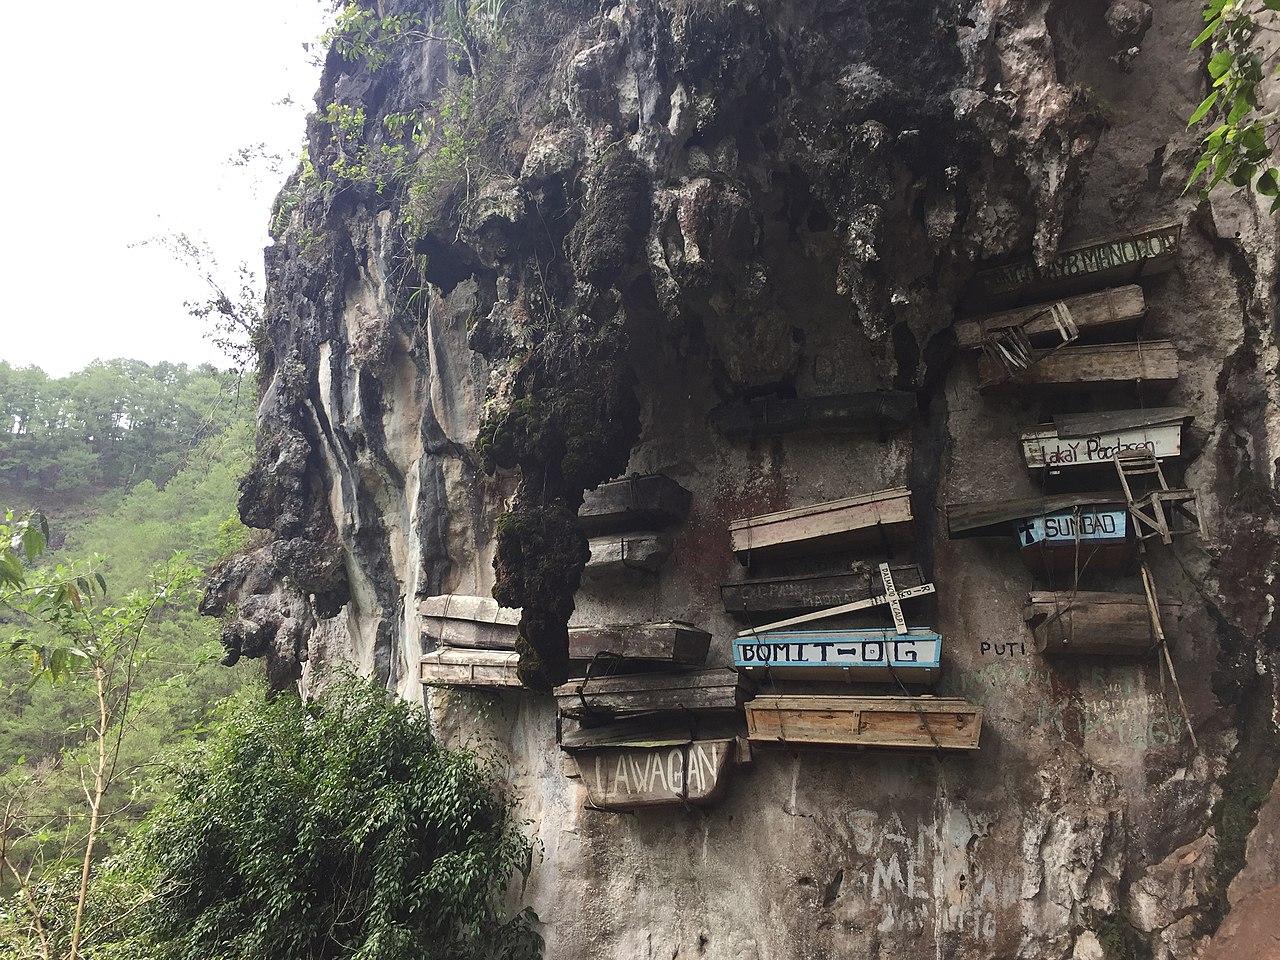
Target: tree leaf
(1205,106)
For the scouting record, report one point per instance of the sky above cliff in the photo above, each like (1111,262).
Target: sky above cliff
(124,124)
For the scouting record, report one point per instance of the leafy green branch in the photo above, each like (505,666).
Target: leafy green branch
(1240,147)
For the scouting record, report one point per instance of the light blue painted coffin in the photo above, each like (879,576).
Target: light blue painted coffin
(1096,538)
(872,655)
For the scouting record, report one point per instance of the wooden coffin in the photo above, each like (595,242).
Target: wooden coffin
(1090,311)
(904,722)
(458,620)
(877,655)
(800,594)
(821,527)
(1152,362)
(627,552)
(457,667)
(1092,440)
(1102,263)
(878,411)
(1089,539)
(998,518)
(669,642)
(655,774)
(638,694)
(633,503)
(1084,623)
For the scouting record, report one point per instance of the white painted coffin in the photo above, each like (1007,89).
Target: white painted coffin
(477,669)
(1093,440)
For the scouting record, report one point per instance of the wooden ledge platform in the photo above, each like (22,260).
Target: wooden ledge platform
(923,723)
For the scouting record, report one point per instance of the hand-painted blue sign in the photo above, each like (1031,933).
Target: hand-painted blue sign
(1088,524)
(873,654)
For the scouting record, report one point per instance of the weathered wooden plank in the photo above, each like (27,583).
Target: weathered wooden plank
(1091,266)
(1085,623)
(460,620)
(877,411)
(834,525)
(633,503)
(628,552)
(901,722)
(454,667)
(637,694)
(799,594)
(1090,311)
(671,641)
(1152,362)
(878,655)
(1001,517)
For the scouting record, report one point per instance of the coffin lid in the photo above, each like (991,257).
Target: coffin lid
(997,517)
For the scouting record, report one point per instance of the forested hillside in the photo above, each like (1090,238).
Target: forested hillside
(105,428)
(134,466)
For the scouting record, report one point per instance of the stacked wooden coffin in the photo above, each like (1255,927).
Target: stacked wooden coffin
(626,521)
(474,640)
(794,646)
(1103,470)
(646,722)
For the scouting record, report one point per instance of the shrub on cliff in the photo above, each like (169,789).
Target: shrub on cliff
(332,829)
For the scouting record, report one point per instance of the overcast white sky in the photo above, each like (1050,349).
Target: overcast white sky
(119,121)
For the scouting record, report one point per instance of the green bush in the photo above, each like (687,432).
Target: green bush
(333,829)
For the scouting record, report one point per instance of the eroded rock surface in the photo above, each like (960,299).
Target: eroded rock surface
(674,204)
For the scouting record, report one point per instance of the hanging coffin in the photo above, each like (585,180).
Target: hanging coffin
(880,411)
(458,620)
(1090,311)
(476,669)
(1086,366)
(1084,623)
(1092,440)
(1087,539)
(1089,267)
(633,503)
(798,594)
(670,642)
(926,723)
(877,655)
(640,694)
(656,773)
(822,527)
(627,553)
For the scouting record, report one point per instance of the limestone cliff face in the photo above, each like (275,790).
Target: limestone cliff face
(667,205)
